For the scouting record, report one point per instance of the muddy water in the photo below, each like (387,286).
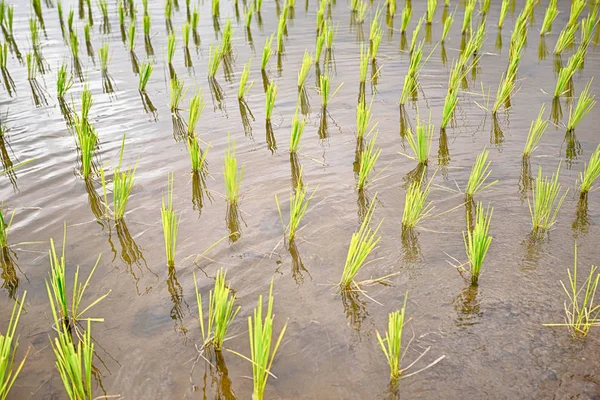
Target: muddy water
(492,336)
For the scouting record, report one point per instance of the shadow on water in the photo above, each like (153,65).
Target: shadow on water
(179,127)
(216,378)
(216,94)
(304,101)
(149,107)
(362,202)
(148,46)
(9,84)
(135,63)
(496,135)
(323,125)
(443,153)
(467,306)
(38,94)
(532,247)
(418,174)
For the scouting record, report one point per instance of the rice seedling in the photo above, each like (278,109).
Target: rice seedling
(484,6)
(447,25)
(363,119)
(270,96)
(307,62)
(103,6)
(456,75)
(364,63)
(390,4)
(503,11)
(296,134)
(504,92)
(376,37)
(74,45)
(368,158)
(87,139)
(10,12)
(145,6)
(171,48)
(4,228)
(215,56)
(361,12)
(70,19)
(431,6)
(31,66)
(330,33)
(197,156)
(577,7)
(227,35)
(298,206)
(363,243)
(170,223)
(176,94)
(248,17)
(86,104)
(477,241)
(168,10)
(415,36)
(549,17)
(103,55)
(9,345)
(581,314)
(565,75)
(267,52)
(121,12)
(469,8)
(420,143)
(145,72)
(185,34)
(221,311)
(37,9)
(412,76)
(232,175)
(416,207)
(536,131)
(585,103)
(325,90)
(591,171)
(391,345)
(197,104)
(405,20)
(123,181)
(480,171)
(258,5)
(215,8)
(244,87)
(546,201)
(35,34)
(146,26)
(319,45)
(3,56)
(565,39)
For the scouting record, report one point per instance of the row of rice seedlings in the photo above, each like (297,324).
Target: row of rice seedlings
(431,6)
(549,17)
(197,104)
(232,175)
(244,87)
(581,314)
(411,78)
(391,344)
(447,25)
(9,345)
(176,94)
(585,103)
(325,90)
(145,72)
(197,156)
(420,143)
(307,62)
(536,131)
(467,18)
(416,207)
(546,201)
(299,203)
(362,244)
(405,20)
(368,159)
(296,134)
(221,312)
(4,227)
(503,12)
(170,223)
(215,56)
(477,241)
(591,172)
(363,119)
(267,53)
(66,318)
(480,171)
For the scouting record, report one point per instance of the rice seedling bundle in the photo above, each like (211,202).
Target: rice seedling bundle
(390,4)
(505,90)
(587,28)
(74,45)
(9,345)
(103,6)
(35,34)
(248,18)
(87,139)
(546,201)
(123,181)
(391,345)
(145,72)
(215,56)
(176,94)
(364,63)
(299,203)
(412,76)
(375,42)
(451,100)
(232,175)
(405,20)
(581,312)
(267,52)
(185,34)
(307,62)
(281,30)
(197,104)
(368,158)
(197,156)
(420,143)
(103,55)
(86,104)
(270,96)
(168,9)
(480,171)
(363,119)
(585,103)
(416,207)
(354,5)
(503,11)
(131,36)
(221,311)
(10,12)
(415,36)
(325,90)
(170,223)
(549,17)
(86,33)
(577,7)
(431,6)
(362,11)
(121,12)
(37,8)
(447,26)
(296,135)
(194,20)
(171,48)
(226,45)
(244,88)
(363,243)
(215,8)
(330,33)
(4,227)
(70,19)
(31,66)
(258,4)
(469,8)
(591,171)
(536,131)
(319,45)
(565,75)
(565,39)
(478,241)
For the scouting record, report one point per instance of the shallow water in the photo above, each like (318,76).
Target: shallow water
(492,336)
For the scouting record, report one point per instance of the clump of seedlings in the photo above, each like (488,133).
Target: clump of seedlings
(170,223)
(375,40)
(296,135)
(411,79)
(505,90)
(299,203)
(270,96)
(415,36)
(171,46)
(197,156)
(477,241)
(565,39)
(221,312)
(267,52)
(457,73)
(368,158)
(215,56)
(549,17)
(391,344)
(307,62)
(145,72)
(591,171)
(431,6)
(226,45)
(232,175)
(503,11)
(325,90)
(546,201)
(176,94)
(581,312)
(469,8)
(364,64)
(244,87)
(363,119)
(447,25)
(479,173)
(87,139)
(9,343)
(565,75)
(197,104)
(405,19)
(416,207)
(420,143)
(536,131)
(215,8)
(585,103)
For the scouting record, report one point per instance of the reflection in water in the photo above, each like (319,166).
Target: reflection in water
(271,142)
(90,50)
(467,306)
(77,69)
(296,171)
(66,111)
(403,41)
(179,127)
(228,67)
(532,246)
(542,49)
(374,76)
(470,213)
(360,144)
(404,122)
(187,58)
(557,64)
(135,63)
(148,46)
(443,153)
(573,148)
(418,174)
(497,136)
(361,93)
(216,377)
(107,83)
(428,33)
(556,111)
(9,272)
(249,38)
(38,93)
(176,292)
(246,114)
(354,308)
(304,102)
(443,54)
(96,204)
(582,220)
(297,265)
(131,254)
(199,190)
(216,94)
(363,202)
(7,164)
(323,134)
(499,40)
(265,80)
(9,84)
(411,246)
(233,222)
(525,179)
(149,107)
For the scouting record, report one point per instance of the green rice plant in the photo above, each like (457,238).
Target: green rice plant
(325,90)
(469,8)
(375,43)
(585,103)
(281,30)
(330,33)
(103,6)
(368,158)
(549,17)
(86,104)
(87,139)
(416,207)
(480,171)
(87,36)
(227,35)
(411,78)
(361,12)
(566,38)
(37,9)
(215,8)
(591,171)
(171,48)
(577,7)
(581,314)
(35,34)
(258,5)
(4,227)
(270,96)
(588,25)
(248,17)
(197,104)
(145,7)
(103,55)
(145,72)
(244,87)
(420,143)
(505,90)
(390,4)
(415,36)
(447,26)
(215,56)
(484,6)
(391,345)
(8,350)
(168,10)
(121,12)
(31,66)
(70,19)
(364,63)
(565,75)
(195,19)
(546,201)
(221,311)
(298,206)
(267,52)
(405,20)
(197,156)
(363,119)
(321,37)
(456,75)
(431,6)
(176,94)
(185,34)
(3,56)
(146,23)
(232,175)
(170,223)
(536,131)
(131,36)
(296,134)
(123,181)
(307,62)
(10,12)
(477,241)
(503,11)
